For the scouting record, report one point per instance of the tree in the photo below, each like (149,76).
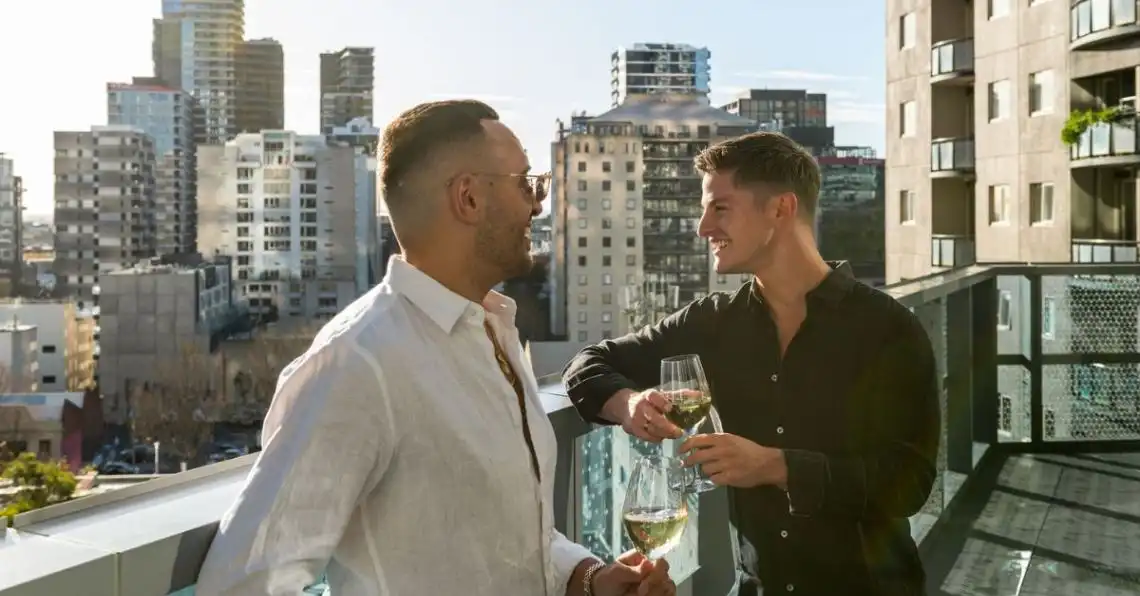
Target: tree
(39,484)
(254,366)
(179,406)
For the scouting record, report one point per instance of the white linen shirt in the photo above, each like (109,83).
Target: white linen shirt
(393,453)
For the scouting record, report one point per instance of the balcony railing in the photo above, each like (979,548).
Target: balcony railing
(952,155)
(950,250)
(1092,21)
(952,57)
(1104,251)
(1105,140)
(1028,363)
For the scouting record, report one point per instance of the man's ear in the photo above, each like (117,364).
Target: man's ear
(464,199)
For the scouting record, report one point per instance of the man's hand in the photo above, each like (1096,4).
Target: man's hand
(633,574)
(643,415)
(729,460)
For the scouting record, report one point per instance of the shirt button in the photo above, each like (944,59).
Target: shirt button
(775,378)
(790,588)
(779,430)
(783,533)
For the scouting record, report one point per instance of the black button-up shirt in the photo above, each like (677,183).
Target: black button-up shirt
(853,403)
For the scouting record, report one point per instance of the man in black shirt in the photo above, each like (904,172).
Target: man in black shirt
(826,388)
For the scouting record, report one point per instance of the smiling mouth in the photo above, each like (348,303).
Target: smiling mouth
(717,245)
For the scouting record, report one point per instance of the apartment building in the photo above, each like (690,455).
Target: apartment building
(347,85)
(259,66)
(788,107)
(652,68)
(66,340)
(11,229)
(625,208)
(1012,138)
(151,314)
(19,357)
(849,221)
(195,49)
(166,115)
(284,206)
(104,205)
(364,139)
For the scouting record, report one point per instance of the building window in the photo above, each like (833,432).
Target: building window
(999,100)
(582,336)
(631,223)
(582,204)
(44,450)
(607,166)
(1041,92)
(607,316)
(998,8)
(581,166)
(1041,203)
(1005,306)
(908,119)
(581,260)
(48,379)
(631,260)
(582,316)
(631,204)
(583,298)
(630,186)
(581,242)
(999,204)
(49,349)
(607,204)
(582,224)
(906,206)
(582,186)
(1048,310)
(906,31)
(583,280)
(607,279)
(629,165)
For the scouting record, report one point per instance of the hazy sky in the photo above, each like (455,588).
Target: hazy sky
(534,60)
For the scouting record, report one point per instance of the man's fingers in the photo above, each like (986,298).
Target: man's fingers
(702,442)
(658,400)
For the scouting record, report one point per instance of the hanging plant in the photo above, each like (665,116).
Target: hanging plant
(1080,120)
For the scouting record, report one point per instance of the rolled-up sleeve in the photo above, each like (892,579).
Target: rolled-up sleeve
(565,555)
(327,439)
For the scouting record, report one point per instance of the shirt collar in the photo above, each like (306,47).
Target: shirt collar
(831,290)
(444,307)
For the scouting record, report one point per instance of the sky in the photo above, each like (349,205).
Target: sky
(535,61)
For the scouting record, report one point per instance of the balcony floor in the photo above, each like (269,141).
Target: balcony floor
(1043,524)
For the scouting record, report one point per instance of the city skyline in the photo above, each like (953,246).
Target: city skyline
(416,61)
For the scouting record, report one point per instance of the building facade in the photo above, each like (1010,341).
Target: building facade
(364,139)
(652,68)
(260,70)
(152,314)
(195,49)
(1013,139)
(19,355)
(787,107)
(284,206)
(104,206)
(11,229)
(849,219)
(347,85)
(627,201)
(167,116)
(66,341)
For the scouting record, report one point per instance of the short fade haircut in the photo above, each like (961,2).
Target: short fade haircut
(416,136)
(770,159)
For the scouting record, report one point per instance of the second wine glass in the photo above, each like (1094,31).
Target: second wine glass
(656,511)
(684,382)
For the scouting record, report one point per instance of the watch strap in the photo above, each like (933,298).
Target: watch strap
(588,578)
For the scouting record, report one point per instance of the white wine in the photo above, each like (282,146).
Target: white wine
(689,412)
(656,530)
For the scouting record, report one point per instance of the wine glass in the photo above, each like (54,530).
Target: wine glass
(683,381)
(656,512)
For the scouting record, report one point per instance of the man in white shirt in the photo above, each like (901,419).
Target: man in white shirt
(406,452)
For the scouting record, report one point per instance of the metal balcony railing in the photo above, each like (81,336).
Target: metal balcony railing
(951,250)
(952,155)
(1091,17)
(955,56)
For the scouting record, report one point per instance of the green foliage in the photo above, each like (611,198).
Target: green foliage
(1080,120)
(40,484)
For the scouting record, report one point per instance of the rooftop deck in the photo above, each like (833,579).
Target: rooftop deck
(1039,491)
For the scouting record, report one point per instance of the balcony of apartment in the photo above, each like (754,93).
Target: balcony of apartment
(1103,216)
(952,135)
(952,62)
(1036,492)
(1097,23)
(952,217)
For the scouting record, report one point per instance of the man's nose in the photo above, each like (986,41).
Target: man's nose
(705,226)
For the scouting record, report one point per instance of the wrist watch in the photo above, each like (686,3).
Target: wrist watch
(588,578)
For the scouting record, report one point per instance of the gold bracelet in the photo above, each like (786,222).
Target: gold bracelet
(588,578)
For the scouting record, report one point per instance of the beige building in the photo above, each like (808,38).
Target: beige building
(66,342)
(19,356)
(976,168)
(284,207)
(104,205)
(626,203)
